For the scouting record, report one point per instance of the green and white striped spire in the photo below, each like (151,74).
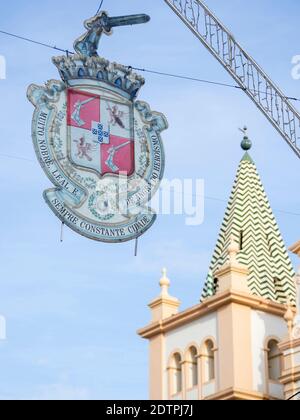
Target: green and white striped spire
(249,218)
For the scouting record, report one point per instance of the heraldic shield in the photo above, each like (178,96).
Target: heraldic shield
(100,147)
(100,132)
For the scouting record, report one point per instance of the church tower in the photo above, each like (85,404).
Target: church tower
(290,346)
(230,346)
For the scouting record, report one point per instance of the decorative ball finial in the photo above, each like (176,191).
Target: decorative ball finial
(246,143)
(164,283)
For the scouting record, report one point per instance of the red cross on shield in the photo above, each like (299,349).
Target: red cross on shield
(100,133)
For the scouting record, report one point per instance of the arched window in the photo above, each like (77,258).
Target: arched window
(192,359)
(176,374)
(274,361)
(208,361)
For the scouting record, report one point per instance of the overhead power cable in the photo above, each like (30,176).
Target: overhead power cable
(16,158)
(211,82)
(100,7)
(193,79)
(36,42)
(155,72)
(220,200)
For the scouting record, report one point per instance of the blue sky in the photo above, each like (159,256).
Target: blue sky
(73,309)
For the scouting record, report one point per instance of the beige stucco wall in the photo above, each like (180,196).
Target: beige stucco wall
(265,326)
(183,337)
(241,333)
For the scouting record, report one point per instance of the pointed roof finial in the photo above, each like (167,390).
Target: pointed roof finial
(245,219)
(246,143)
(233,250)
(164,306)
(164,283)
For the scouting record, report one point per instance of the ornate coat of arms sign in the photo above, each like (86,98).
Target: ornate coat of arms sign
(100,147)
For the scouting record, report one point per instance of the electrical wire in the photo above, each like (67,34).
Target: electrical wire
(17,158)
(100,7)
(155,72)
(35,42)
(220,200)
(178,76)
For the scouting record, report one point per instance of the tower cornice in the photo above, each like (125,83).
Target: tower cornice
(211,305)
